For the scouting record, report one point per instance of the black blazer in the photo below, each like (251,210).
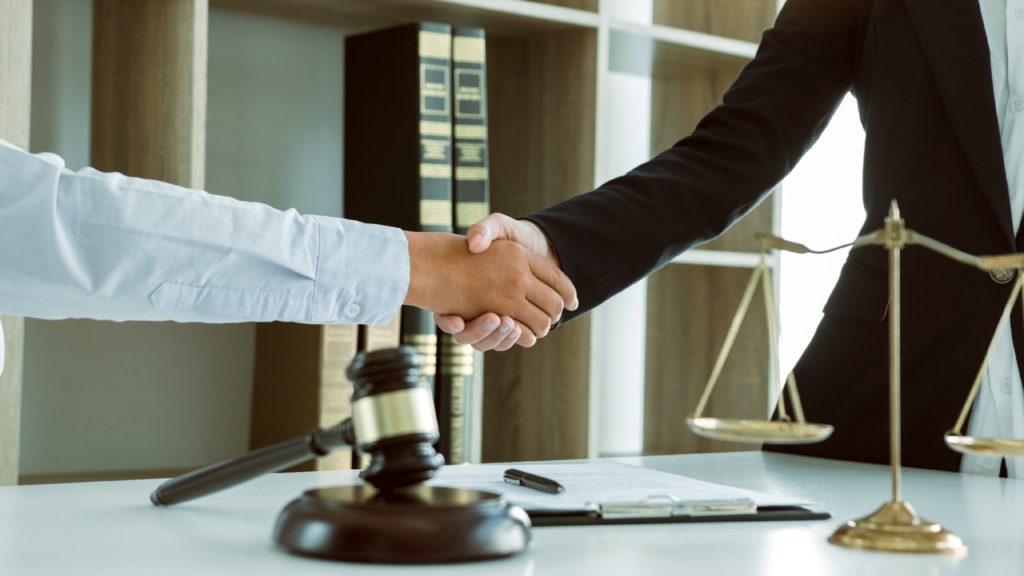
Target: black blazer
(920,71)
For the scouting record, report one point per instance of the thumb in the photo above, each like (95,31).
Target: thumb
(494,227)
(449,324)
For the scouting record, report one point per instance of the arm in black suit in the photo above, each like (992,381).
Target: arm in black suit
(629,227)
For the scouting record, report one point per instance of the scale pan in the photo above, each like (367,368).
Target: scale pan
(989,446)
(768,431)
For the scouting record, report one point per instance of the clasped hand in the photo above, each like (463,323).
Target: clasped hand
(502,275)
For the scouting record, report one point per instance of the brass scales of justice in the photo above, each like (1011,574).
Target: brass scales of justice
(894,526)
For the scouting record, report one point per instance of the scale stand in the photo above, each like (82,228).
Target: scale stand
(895,526)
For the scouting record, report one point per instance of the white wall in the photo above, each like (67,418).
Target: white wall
(822,208)
(619,326)
(103,396)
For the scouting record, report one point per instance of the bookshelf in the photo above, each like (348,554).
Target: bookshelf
(546,64)
(542,74)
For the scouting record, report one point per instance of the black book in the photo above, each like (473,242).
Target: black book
(471,201)
(398,142)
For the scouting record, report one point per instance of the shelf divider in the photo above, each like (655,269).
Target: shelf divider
(149,89)
(15,98)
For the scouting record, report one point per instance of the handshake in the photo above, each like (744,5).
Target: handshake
(499,286)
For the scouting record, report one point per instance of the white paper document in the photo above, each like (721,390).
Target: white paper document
(589,485)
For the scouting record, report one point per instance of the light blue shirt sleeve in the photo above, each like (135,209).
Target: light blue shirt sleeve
(105,246)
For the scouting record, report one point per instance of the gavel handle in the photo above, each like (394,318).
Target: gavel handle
(217,477)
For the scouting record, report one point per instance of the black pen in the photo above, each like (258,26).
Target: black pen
(520,478)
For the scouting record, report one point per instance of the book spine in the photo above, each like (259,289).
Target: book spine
(398,143)
(435,210)
(452,401)
(471,193)
(376,338)
(398,132)
(338,345)
(435,128)
(470,199)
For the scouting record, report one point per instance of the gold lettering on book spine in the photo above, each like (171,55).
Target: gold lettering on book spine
(431,128)
(435,213)
(471,173)
(470,132)
(469,213)
(435,45)
(425,344)
(469,49)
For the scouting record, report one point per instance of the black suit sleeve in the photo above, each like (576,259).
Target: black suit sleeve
(629,227)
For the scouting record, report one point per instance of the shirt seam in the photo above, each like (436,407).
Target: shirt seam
(316,270)
(239,290)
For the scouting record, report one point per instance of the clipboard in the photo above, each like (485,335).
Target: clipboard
(603,492)
(541,518)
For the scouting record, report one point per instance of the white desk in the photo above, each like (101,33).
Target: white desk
(110,528)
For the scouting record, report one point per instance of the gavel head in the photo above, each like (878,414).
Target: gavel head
(393,417)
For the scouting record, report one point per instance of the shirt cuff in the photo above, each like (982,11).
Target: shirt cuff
(362,272)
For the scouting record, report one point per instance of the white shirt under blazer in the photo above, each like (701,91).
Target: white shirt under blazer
(999,407)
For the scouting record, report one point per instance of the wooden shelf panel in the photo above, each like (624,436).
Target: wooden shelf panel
(15,70)
(740,19)
(501,17)
(542,138)
(149,89)
(15,99)
(10,398)
(690,309)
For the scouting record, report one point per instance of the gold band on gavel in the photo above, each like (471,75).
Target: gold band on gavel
(393,414)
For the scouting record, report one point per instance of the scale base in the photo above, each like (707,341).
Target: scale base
(895,527)
(414,525)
